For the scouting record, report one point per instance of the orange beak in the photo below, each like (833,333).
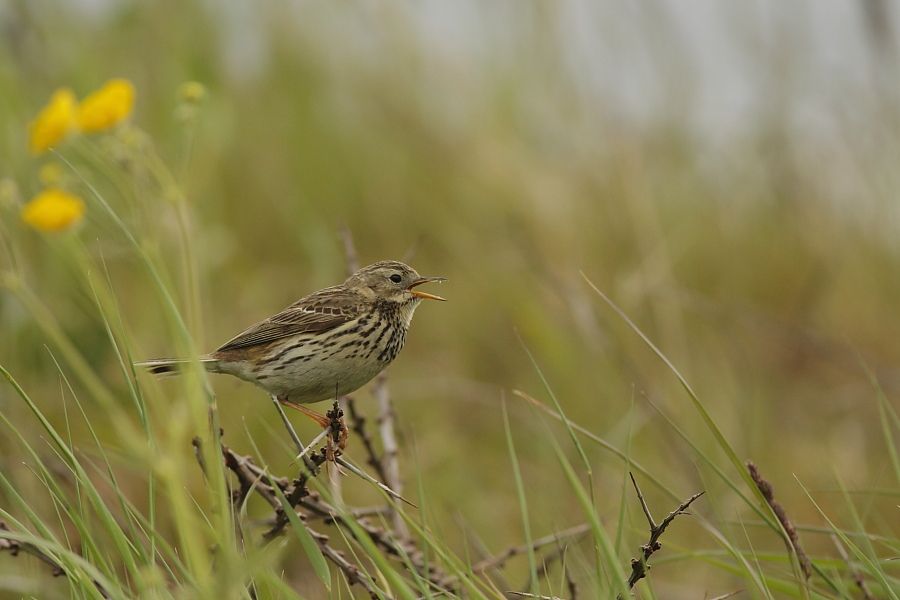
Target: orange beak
(426,295)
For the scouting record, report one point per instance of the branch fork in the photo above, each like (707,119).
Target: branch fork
(639,566)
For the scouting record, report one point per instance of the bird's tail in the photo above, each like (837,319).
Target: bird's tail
(172,366)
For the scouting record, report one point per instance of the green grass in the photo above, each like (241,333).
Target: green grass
(624,297)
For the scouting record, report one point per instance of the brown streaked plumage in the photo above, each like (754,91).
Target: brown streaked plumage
(331,342)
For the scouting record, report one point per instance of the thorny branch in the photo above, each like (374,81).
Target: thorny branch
(768,493)
(357,425)
(354,575)
(254,478)
(639,566)
(294,493)
(14,547)
(497,561)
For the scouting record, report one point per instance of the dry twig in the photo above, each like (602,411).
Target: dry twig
(854,573)
(766,490)
(570,584)
(352,262)
(354,574)
(497,561)
(294,495)
(639,566)
(383,538)
(547,561)
(252,478)
(358,426)
(350,256)
(14,547)
(390,459)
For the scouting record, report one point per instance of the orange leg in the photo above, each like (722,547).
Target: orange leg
(319,418)
(333,421)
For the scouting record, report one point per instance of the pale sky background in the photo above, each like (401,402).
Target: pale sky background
(716,59)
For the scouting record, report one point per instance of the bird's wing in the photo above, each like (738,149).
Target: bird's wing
(318,312)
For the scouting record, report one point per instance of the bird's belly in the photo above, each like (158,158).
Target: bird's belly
(305,376)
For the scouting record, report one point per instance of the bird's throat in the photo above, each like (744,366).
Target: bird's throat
(407,310)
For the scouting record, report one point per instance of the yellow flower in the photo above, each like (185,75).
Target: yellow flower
(54,122)
(107,106)
(53,210)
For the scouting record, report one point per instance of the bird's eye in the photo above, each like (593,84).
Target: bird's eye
(396,278)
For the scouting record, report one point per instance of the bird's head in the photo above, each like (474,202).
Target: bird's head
(392,281)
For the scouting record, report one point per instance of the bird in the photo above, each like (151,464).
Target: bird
(325,345)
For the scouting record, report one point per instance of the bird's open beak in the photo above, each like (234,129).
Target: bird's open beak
(426,295)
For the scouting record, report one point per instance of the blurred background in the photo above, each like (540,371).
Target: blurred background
(724,172)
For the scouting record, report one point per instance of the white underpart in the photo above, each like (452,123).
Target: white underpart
(407,311)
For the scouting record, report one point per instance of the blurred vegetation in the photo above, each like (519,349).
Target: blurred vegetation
(505,148)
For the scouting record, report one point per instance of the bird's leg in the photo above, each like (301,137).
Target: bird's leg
(333,421)
(320,419)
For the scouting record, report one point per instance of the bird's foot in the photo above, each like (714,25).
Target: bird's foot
(333,424)
(337,432)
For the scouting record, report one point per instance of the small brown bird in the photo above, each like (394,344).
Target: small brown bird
(326,344)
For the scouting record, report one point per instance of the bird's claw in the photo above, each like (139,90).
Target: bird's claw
(337,432)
